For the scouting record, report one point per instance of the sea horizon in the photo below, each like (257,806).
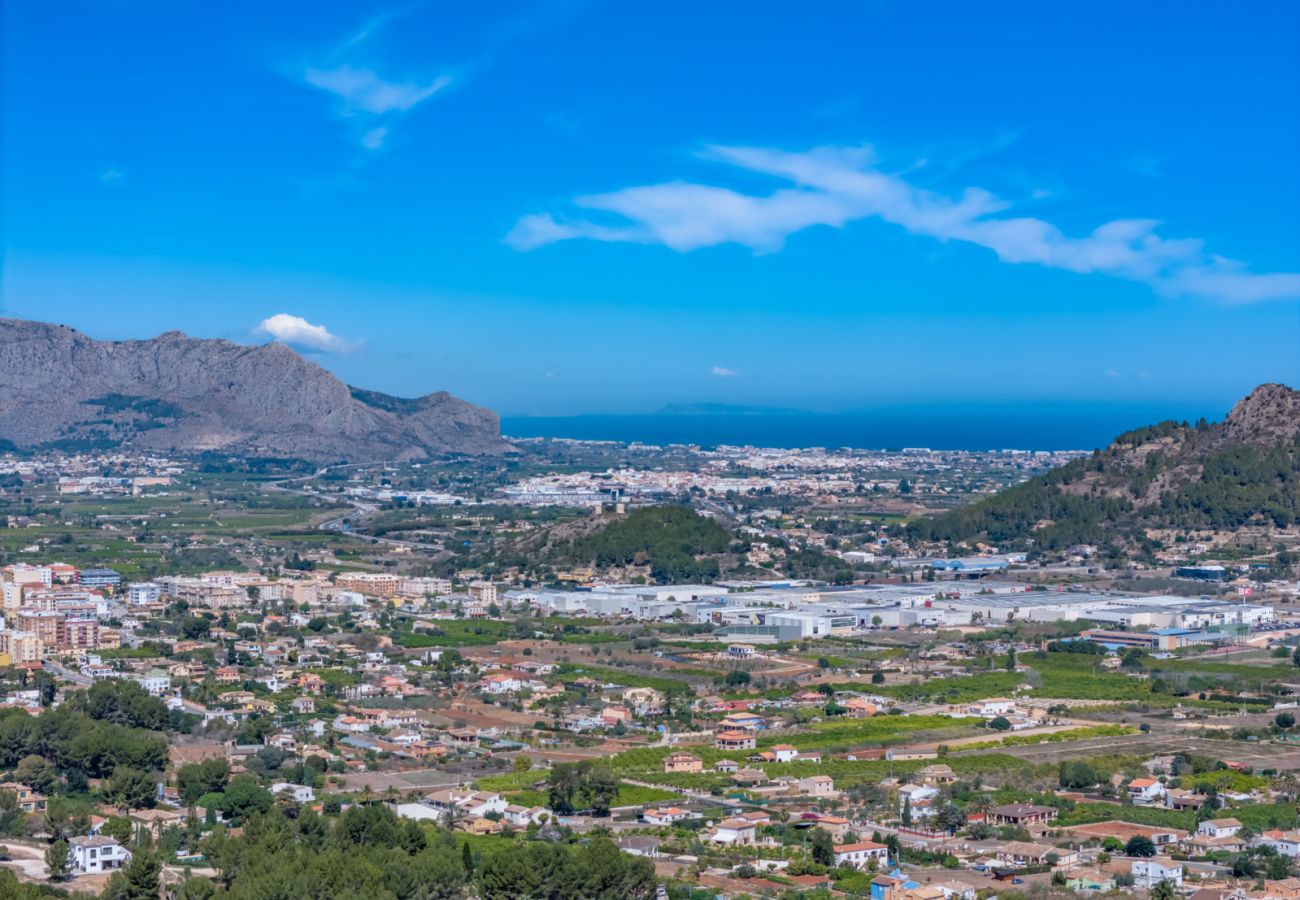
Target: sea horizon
(1056,428)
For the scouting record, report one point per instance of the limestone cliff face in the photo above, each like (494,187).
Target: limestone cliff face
(60,388)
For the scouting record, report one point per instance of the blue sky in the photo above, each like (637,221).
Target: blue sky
(556,208)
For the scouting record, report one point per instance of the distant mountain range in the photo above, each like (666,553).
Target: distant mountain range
(60,389)
(726,409)
(1243,471)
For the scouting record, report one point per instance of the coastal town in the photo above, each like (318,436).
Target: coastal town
(924,724)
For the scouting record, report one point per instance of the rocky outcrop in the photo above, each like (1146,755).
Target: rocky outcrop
(62,389)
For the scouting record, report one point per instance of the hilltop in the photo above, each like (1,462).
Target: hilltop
(60,389)
(1222,476)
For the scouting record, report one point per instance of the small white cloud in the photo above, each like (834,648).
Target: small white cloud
(112,176)
(723,372)
(298,332)
(1111,373)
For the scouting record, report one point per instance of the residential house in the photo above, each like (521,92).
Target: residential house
(1147,873)
(473,804)
(523,816)
(860,708)
(937,774)
(29,801)
(917,800)
(1217,835)
(1024,853)
(665,815)
(734,740)
(862,854)
(1286,843)
(817,786)
(784,752)
(992,708)
(836,826)
(735,831)
(745,721)
(1021,814)
(680,761)
(1145,791)
(299,793)
(1125,831)
(96,854)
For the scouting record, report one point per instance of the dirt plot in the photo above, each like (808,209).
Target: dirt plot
(554,653)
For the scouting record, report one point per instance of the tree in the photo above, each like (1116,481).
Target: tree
(37,773)
(877,677)
(736,678)
(119,828)
(138,880)
(56,860)
(1295,656)
(1163,890)
(999,723)
(823,847)
(206,777)
(1284,720)
(125,702)
(950,817)
(1139,845)
(1011,659)
(131,788)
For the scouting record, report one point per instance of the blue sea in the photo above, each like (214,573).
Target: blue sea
(938,428)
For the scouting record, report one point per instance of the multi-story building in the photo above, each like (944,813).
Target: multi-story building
(483,592)
(143,593)
(374,584)
(19,647)
(44,623)
(80,632)
(105,578)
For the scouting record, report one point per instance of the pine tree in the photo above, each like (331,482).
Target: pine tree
(56,860)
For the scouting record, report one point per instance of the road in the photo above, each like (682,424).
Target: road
(361,510)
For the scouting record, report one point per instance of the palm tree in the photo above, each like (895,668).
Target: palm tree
(980,804)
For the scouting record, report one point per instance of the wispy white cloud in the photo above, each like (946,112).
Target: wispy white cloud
(298,332)
(363,91)
(837,185)
(723,372)
(112,176)
(367,96)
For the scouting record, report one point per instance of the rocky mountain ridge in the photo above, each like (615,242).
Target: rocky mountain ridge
(60,389)
(1172,477)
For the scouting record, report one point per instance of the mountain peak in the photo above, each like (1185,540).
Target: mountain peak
(1269,414)
(60,389)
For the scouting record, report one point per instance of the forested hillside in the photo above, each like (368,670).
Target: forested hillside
(667,538)
(1244,471)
